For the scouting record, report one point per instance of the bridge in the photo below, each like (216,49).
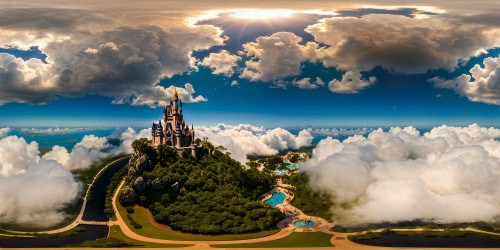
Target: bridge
(100,223)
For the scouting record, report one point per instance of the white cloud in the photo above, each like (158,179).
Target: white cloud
(481,85)
(274,57)
(351,83)
(161,96)
(234,83)
(449,174)
(33,190)
(93,149)
(90,150)
(129,136)
(222,63)
(243,140)
(4,132)
(306,83)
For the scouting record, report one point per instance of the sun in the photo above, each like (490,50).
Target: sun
(254,14)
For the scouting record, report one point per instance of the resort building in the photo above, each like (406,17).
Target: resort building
(172,129)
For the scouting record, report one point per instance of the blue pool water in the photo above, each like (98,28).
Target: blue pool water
(292,166)
(301,224)
(280,173)
(276,199)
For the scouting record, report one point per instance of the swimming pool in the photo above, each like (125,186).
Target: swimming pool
(292,166)
(280,173)
(304,224)
(276,199)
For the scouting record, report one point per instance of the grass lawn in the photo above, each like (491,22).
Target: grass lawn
(304,239)
(140,216)
(116,238)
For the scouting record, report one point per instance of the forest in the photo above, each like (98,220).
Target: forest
(310,201)
(210,194)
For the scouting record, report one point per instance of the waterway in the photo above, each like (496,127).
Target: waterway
(468,241)
(94,211)
(91,232)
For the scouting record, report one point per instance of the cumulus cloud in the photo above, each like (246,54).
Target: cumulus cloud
(481,85)
(449,174)
(351,83)
(222,63)
(33,190)
(161,96)
(306,83)
(243,140)
(90,150)
(276,56)
(397,43)
(128,136)
(123,62)
(4,132)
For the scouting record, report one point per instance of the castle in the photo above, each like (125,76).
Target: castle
(172,130)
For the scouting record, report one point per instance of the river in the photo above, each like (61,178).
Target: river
(468,241)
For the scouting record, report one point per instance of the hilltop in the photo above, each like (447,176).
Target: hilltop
(210,194)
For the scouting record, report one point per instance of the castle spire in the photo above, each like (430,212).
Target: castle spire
(176,97)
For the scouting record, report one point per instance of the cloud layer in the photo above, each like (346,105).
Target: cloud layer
(243,140)
(33,190)
(89,52)
(449,174)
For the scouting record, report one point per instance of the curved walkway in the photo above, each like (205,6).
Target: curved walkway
(131,234)
(78,220)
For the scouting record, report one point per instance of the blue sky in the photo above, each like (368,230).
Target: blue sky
(396,98)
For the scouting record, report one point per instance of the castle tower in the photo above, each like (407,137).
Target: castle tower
(173,130)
